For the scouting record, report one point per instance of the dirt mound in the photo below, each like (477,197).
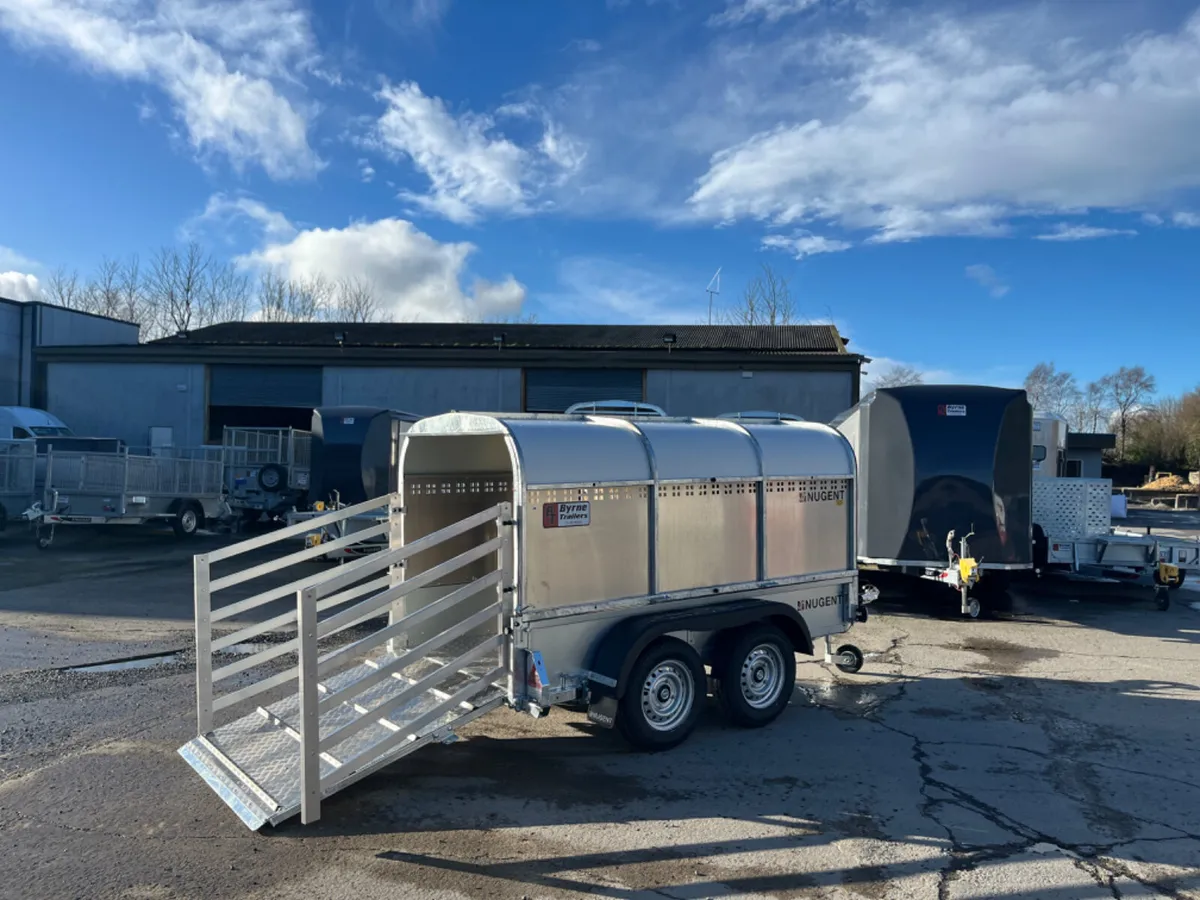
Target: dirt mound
(1171,483)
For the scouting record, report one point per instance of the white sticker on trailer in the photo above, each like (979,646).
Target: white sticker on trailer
(956,409)
(567,515)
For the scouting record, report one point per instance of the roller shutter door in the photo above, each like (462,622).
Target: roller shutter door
(298,386)
(553,390)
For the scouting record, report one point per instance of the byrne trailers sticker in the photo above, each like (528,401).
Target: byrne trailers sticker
(566,515)
(952,409)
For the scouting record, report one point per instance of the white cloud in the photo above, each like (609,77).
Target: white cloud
(804,244)
(1186,219)
(738,11)
(985,276)
(222,209)
(1065,232)
(365,171)
(20,286)
(415,277)
(224,65)
(472,169)
(583,45)
(597,289)
(954,127)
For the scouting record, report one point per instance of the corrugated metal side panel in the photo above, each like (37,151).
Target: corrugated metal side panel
(265,386)
(553,390)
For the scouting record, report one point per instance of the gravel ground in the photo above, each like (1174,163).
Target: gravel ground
(1047,753)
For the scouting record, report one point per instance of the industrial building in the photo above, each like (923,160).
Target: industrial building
(28,328)
(275,373)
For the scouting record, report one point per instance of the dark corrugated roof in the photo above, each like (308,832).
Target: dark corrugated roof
(745,338)
(1083,440)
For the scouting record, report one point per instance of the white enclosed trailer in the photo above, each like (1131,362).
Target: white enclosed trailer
(622,565)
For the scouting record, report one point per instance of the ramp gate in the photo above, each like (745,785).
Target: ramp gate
(354,708)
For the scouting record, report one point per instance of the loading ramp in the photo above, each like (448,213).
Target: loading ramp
(349,710)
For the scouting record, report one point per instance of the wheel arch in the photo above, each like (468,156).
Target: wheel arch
(619,648)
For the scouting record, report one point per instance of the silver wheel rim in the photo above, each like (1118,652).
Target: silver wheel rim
(188,520)
(762,676)
(270,480)
(667,695)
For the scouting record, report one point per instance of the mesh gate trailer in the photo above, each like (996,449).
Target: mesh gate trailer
(267,470)
(18,464)
(182,487)
(625,566)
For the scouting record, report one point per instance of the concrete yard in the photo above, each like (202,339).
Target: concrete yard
(1051,752)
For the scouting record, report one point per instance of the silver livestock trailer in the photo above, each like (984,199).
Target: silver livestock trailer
(18,462)
(625,566)
(179,486)
(267,470)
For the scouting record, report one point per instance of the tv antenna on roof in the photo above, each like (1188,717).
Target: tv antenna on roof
(714,288)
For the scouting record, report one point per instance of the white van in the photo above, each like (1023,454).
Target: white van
(18,423)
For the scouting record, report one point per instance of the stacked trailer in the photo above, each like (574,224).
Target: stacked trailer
(626,566)
(182,487)
(267,470)
(1073,533)
(18,464)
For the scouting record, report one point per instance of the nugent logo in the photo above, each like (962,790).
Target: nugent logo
(822,496)
(817,602)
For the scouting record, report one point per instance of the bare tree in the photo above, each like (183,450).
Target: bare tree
(103,292)
(897,375)
(178,287)
(1050,390)
(225,296)
(356,300)
(294,300)
(1129,389)
(63,289)
(509,319)
(133,306)
(1090,407)
(767,300)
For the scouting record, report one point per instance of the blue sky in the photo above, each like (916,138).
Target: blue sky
(968,188)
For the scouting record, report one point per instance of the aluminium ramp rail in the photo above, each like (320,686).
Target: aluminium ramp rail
(348,710)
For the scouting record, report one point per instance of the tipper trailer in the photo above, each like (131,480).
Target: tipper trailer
(623,565)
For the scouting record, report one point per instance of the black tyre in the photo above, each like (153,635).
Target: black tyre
(188,519)
(757,676)
(850,658)
(1162,599)
(271,478)
(1041,549)
(664,696)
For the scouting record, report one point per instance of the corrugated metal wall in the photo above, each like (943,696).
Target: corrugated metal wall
(297,386)
(553,390)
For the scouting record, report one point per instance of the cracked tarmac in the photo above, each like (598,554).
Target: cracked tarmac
(1049,753)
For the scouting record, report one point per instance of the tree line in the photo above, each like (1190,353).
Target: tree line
(182,288)
(1163,432)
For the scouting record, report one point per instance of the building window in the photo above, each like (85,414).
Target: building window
(1073,468)
(1039,452)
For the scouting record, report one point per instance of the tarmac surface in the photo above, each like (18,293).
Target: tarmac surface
(1050,751)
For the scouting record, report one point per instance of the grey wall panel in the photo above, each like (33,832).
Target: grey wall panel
(10,354)
(816,396)
(65,328)
(553,390)
(299,386)
(124,400)
(426,391)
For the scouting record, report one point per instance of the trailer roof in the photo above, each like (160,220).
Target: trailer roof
(587,449)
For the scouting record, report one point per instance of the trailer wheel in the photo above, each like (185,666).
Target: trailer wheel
(270,478)
(849,658)
(758,676)
(187,520)
(1162,599)
(663,697)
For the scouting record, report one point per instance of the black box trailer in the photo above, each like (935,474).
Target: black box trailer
(940,462)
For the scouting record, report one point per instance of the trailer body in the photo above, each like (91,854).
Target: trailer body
(267,470)
(181,486)
(18,463)
(534,561)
